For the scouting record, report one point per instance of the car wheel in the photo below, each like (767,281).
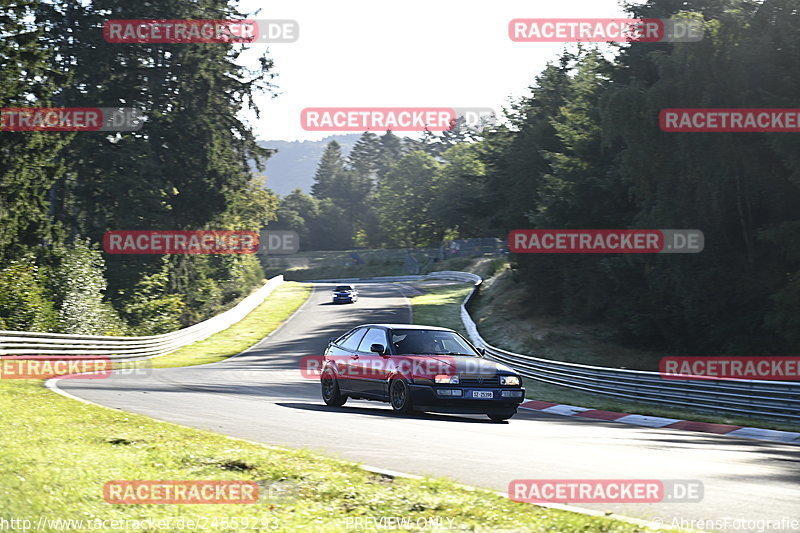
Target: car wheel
(500,418)
(400,396)
(331,394)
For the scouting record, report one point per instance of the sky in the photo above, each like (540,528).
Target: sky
(414,53)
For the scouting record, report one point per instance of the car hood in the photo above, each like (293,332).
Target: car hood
(468,365)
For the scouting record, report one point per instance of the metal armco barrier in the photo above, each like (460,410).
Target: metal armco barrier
(33,343)
(773,400)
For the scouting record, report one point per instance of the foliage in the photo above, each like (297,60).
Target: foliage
(24,300)
(188,167)
(78,285)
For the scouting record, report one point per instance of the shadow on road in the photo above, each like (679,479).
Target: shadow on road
(385,413)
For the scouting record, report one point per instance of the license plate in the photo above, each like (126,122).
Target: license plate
(482,394)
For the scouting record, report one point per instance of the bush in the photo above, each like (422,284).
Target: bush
(78,284)
(151,310)
(24,302)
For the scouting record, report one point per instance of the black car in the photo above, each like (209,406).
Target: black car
(418,368)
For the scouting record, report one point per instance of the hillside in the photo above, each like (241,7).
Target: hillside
(294,163)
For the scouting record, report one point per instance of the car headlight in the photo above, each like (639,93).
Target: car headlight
(446,379)
(509,380)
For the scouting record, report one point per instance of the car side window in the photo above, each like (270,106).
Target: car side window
(351,343)
(373,336)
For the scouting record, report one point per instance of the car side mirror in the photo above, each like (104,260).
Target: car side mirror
(330,341)
(482,351)
(377,348)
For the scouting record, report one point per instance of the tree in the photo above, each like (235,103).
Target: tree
(459,188)
(404,201)
(515,156)
(29,165)
(329,170)
(365,157)
(296,212)
(25,303)
(392,150)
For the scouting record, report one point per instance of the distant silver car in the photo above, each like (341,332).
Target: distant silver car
(345,294)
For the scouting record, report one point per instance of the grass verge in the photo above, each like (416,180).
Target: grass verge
(58,454)
(441,307)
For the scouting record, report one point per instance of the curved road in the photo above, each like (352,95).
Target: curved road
(261,396)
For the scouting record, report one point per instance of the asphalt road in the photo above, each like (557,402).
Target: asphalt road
(260,395)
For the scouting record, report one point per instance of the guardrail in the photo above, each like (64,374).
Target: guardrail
(772,400)
(36,343)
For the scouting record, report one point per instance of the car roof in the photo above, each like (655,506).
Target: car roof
(407,326)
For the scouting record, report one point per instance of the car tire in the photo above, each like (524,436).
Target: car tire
(500,417)
(331,394)
(400,397)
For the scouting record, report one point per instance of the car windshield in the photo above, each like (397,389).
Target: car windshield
(429,342)
(342,288)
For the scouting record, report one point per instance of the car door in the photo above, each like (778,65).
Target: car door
(346,360)
(371,364)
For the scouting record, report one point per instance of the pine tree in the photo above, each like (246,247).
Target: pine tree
(29,166)
(365,156)
(329,169)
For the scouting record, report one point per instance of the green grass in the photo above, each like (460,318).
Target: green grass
(262,321)
(57,454)
(441,307)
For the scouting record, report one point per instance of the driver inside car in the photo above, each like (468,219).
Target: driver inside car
(415,344)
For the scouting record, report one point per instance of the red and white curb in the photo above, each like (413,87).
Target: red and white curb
(772,435)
